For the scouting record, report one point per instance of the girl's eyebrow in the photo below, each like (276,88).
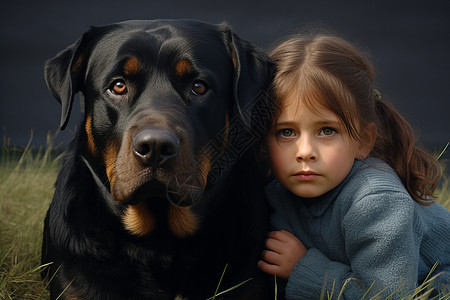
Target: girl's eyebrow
(333,123)
(321,123)
(285,123)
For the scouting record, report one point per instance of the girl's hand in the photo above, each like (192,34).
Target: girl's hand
(283,251)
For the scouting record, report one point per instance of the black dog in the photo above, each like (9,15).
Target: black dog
(160,190)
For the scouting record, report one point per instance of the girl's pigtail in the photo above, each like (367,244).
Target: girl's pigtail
(395,144)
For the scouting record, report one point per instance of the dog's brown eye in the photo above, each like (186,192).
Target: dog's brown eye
(119,88)
(198,88)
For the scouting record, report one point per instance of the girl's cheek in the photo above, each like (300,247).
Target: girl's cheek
(277,159)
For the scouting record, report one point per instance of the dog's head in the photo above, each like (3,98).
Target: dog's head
(163,99)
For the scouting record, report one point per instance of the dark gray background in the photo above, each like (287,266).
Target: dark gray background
(408,42)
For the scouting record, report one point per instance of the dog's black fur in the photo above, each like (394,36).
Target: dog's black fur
(160,189)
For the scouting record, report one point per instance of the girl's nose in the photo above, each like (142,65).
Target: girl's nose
(305,149)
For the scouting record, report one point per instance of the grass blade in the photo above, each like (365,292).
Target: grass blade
(443,151)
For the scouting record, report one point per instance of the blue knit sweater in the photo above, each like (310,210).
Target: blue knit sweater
(368,228)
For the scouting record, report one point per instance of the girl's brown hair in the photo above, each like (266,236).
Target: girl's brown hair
(329,71)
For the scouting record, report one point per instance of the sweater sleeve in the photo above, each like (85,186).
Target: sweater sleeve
(382,246)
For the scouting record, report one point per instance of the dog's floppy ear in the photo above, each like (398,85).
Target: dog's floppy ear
(253,72)
(64,73)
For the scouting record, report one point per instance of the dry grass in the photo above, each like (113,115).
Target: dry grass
(26,188)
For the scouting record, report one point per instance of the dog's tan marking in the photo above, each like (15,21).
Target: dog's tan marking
(204,166)
(183,67)
(90,138)
(110,158)
(132,66)
(182,221)
(138,219)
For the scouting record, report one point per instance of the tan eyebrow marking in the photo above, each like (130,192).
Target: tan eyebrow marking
(132,66)
(183,67)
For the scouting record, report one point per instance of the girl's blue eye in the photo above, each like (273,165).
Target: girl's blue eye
(328,131)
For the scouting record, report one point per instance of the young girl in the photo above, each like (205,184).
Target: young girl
(352,195)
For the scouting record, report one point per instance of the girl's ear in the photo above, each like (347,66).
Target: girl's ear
(367,141)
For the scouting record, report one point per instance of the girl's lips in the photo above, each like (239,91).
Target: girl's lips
(306,175)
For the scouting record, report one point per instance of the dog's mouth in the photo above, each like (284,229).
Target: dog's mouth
(183,190)
(155,205)
(146,192)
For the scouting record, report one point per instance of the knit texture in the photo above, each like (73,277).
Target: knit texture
(367,230)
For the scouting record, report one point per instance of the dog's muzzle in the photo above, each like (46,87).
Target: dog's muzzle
(155,148)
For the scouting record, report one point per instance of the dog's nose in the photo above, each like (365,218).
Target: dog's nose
(154,146)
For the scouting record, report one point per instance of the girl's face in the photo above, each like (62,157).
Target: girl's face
(310,153)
